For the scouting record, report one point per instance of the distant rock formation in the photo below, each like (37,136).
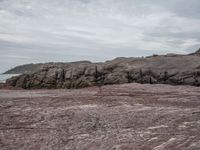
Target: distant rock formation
(166,69)
(28,68)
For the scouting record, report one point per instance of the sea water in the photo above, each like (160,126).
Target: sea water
(4,77)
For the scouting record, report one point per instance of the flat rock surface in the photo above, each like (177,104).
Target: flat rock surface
(118,117)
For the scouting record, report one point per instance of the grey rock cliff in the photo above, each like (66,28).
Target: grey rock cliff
(166,69)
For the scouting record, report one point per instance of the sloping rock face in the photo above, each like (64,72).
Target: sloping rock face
(168,69)
(197,52)
(28,68)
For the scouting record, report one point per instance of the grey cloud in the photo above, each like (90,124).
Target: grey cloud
(181,8)
(178,35)
(68,30)
(184,8)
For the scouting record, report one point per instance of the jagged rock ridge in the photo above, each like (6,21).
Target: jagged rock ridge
(168,69)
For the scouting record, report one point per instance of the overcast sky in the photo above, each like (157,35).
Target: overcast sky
(96,30)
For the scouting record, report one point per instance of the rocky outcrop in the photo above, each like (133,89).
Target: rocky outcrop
(168,69)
